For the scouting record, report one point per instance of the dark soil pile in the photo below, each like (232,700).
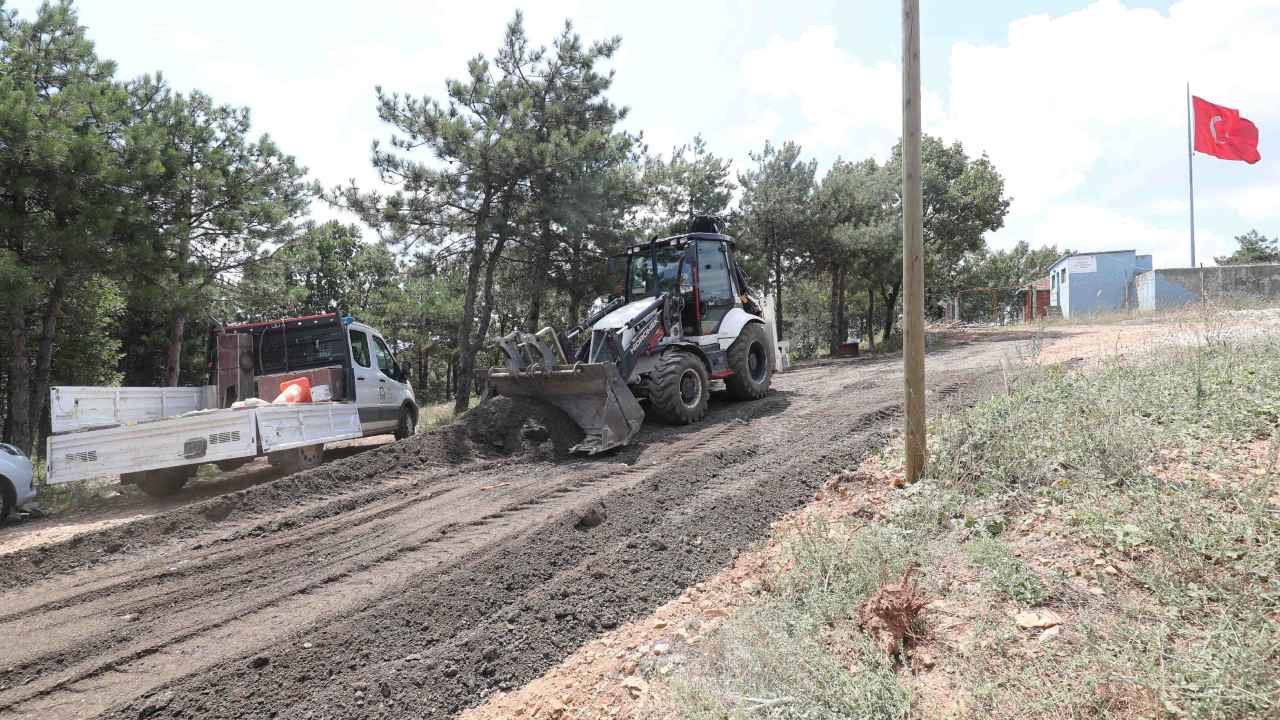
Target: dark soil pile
(518,425)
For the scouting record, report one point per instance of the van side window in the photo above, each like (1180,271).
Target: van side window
(360,348)
(384,356)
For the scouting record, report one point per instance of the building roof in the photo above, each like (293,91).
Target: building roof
(1101,252)
(1041,284)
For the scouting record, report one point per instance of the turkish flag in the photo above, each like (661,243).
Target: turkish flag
(1222,133)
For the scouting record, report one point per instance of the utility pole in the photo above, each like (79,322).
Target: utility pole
(912,242)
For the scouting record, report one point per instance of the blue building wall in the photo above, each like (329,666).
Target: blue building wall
(1089,283)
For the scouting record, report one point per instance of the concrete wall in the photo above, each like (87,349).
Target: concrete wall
(1168,288)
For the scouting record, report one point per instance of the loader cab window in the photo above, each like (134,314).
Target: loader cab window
(647,278)
(715,287)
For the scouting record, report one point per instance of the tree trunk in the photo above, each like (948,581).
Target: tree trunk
(835,337)
(44,356)
(891,302)
(575,309)
(842,317)
(777,293)
(871,318)
(17,429)
(175,347)
(466,355)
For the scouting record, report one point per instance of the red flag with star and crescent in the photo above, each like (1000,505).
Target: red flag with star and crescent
(1222,133)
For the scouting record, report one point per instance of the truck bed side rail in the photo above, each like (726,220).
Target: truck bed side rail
(73,408)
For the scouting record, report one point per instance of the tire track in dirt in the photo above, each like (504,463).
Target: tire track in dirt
(483,575)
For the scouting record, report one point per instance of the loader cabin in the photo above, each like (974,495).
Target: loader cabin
(698,267)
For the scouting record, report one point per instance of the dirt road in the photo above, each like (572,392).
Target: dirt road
(415,579)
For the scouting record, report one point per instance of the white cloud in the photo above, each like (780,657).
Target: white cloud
(1259,203)
(847,106)
(1090,106)
(1088,228)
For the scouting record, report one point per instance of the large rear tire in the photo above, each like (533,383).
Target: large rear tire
(163,483)
(679,388)
(749,361)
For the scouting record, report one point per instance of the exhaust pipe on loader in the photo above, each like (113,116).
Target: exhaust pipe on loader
(594,395)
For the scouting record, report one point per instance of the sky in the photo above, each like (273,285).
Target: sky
(1080,105)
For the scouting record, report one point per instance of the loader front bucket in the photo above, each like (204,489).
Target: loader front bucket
(594,395)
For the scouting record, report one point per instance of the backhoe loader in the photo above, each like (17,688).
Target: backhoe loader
(685,318)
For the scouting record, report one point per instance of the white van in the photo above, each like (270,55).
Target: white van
(156,438)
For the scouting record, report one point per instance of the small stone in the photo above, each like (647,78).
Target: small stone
(635,686)
(661,648)
(1050,634)
(131,617)
(156,703)
(1037,619)
(385,689)
(415,657)
(592,517)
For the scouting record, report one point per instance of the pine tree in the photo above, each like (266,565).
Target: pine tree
(62,122)
(777,212)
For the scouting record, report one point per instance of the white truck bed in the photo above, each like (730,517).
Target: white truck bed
(199,437)
(73,408)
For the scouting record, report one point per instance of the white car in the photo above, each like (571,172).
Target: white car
(17,481)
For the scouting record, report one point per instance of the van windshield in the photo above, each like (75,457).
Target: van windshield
(671,272)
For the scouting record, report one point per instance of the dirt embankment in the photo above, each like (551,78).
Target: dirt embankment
(417,579)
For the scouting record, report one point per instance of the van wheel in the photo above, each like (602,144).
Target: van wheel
(297,459)
(408,424)
(162,483)
(7,497)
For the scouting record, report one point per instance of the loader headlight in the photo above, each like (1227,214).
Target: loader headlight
(12,450)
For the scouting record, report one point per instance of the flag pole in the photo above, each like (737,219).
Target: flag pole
(1191,183)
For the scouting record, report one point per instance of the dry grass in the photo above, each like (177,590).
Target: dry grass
(1097,544)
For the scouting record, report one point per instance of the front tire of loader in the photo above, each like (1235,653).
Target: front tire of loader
(749,361)
(679,388)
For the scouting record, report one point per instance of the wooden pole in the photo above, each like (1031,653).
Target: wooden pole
(912,243)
